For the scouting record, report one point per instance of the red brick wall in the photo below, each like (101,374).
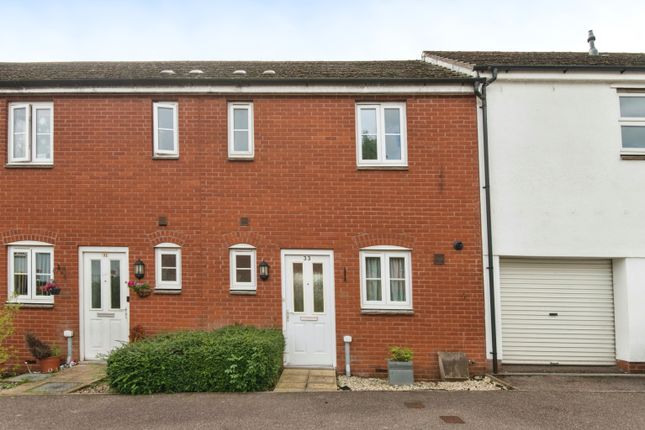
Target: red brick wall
(302,191)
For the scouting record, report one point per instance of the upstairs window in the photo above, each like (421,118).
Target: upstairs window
(386,282)
(165,120)
(240,131)
(168,266)
(242,274)
(381,139)
(632,123)
(31,267)
(31,134)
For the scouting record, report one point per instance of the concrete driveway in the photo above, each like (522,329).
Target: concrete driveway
(335,410)
(579,384)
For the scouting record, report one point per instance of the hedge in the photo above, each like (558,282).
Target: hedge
(234,358)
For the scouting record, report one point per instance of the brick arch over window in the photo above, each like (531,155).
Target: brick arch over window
(165,236)
(256,239)
(40,235)
(374,239)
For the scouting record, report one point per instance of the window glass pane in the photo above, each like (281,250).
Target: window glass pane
(632,107)
(397,268)
(19,145)
(298,291)
(374,290)
(243,275)
(369,147)
(43,271)
(43,146)
(397,279)
(168,260)
(241,119)
(633,137)
(397,291)
(392,121)
(368,121)
(393,147)
(243,261)
(20,120)
(166,140)
(240,140)
(43,120)
(95,277)
(169,275)
(165,118)
(115,284)
(319,299)
(373,267)
(20,276)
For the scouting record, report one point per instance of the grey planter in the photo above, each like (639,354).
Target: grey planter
(400,372)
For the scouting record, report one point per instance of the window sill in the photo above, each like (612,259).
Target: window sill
(32,305)
(165,157)
(385,167)
(243,292)
(166,291)
(632,156)
(240,158)
(28,166)
(387,311)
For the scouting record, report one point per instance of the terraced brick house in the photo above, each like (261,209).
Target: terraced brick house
(322,198)
(565,134)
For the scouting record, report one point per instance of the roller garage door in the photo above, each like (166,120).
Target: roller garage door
(557,311)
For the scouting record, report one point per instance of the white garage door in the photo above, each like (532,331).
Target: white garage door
(557,311)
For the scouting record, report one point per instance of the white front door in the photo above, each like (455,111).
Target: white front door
(105,302)
(309,308)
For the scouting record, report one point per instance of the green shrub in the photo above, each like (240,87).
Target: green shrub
(234,358)
(7,315)
(401,353)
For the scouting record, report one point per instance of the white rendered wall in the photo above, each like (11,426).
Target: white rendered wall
(629,297)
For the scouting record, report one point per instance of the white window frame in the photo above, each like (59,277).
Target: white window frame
(381,161)
(31,135)
(234,251)
(232,153)
(165,153)
(384,253)
(630,122)
(31,248)
(167,249)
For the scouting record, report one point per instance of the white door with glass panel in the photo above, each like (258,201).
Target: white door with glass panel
(105,303)
(309,308)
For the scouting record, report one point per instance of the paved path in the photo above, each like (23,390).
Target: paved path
(497,410)
(65,381)
(299,380)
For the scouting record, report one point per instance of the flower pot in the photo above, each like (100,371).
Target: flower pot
(144,293)
(400,372)
(49,364)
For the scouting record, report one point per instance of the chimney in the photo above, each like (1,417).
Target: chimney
(592,45)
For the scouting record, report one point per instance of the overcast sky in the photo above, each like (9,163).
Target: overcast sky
(308,29)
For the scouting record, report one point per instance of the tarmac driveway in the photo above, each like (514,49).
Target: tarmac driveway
(580,384)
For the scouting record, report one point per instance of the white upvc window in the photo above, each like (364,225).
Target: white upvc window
(240,130)
(31,134)
(31,267)
(632,123)
(165,125)
(381,136)
(386,278)
(242,262)
(168,266)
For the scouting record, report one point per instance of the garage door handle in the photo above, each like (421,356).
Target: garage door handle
(553,314)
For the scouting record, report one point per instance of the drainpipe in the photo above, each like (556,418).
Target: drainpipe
(348,369)
(480,92)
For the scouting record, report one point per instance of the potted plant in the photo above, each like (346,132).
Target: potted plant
(141,288)
(51,288)
(400,369)
(48,357)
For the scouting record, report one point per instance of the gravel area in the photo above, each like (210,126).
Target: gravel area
(100,387)
(355,383)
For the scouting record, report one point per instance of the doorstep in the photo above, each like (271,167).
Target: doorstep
(302,380)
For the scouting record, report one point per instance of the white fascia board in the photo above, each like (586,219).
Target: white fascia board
(457,88)
(613,78)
